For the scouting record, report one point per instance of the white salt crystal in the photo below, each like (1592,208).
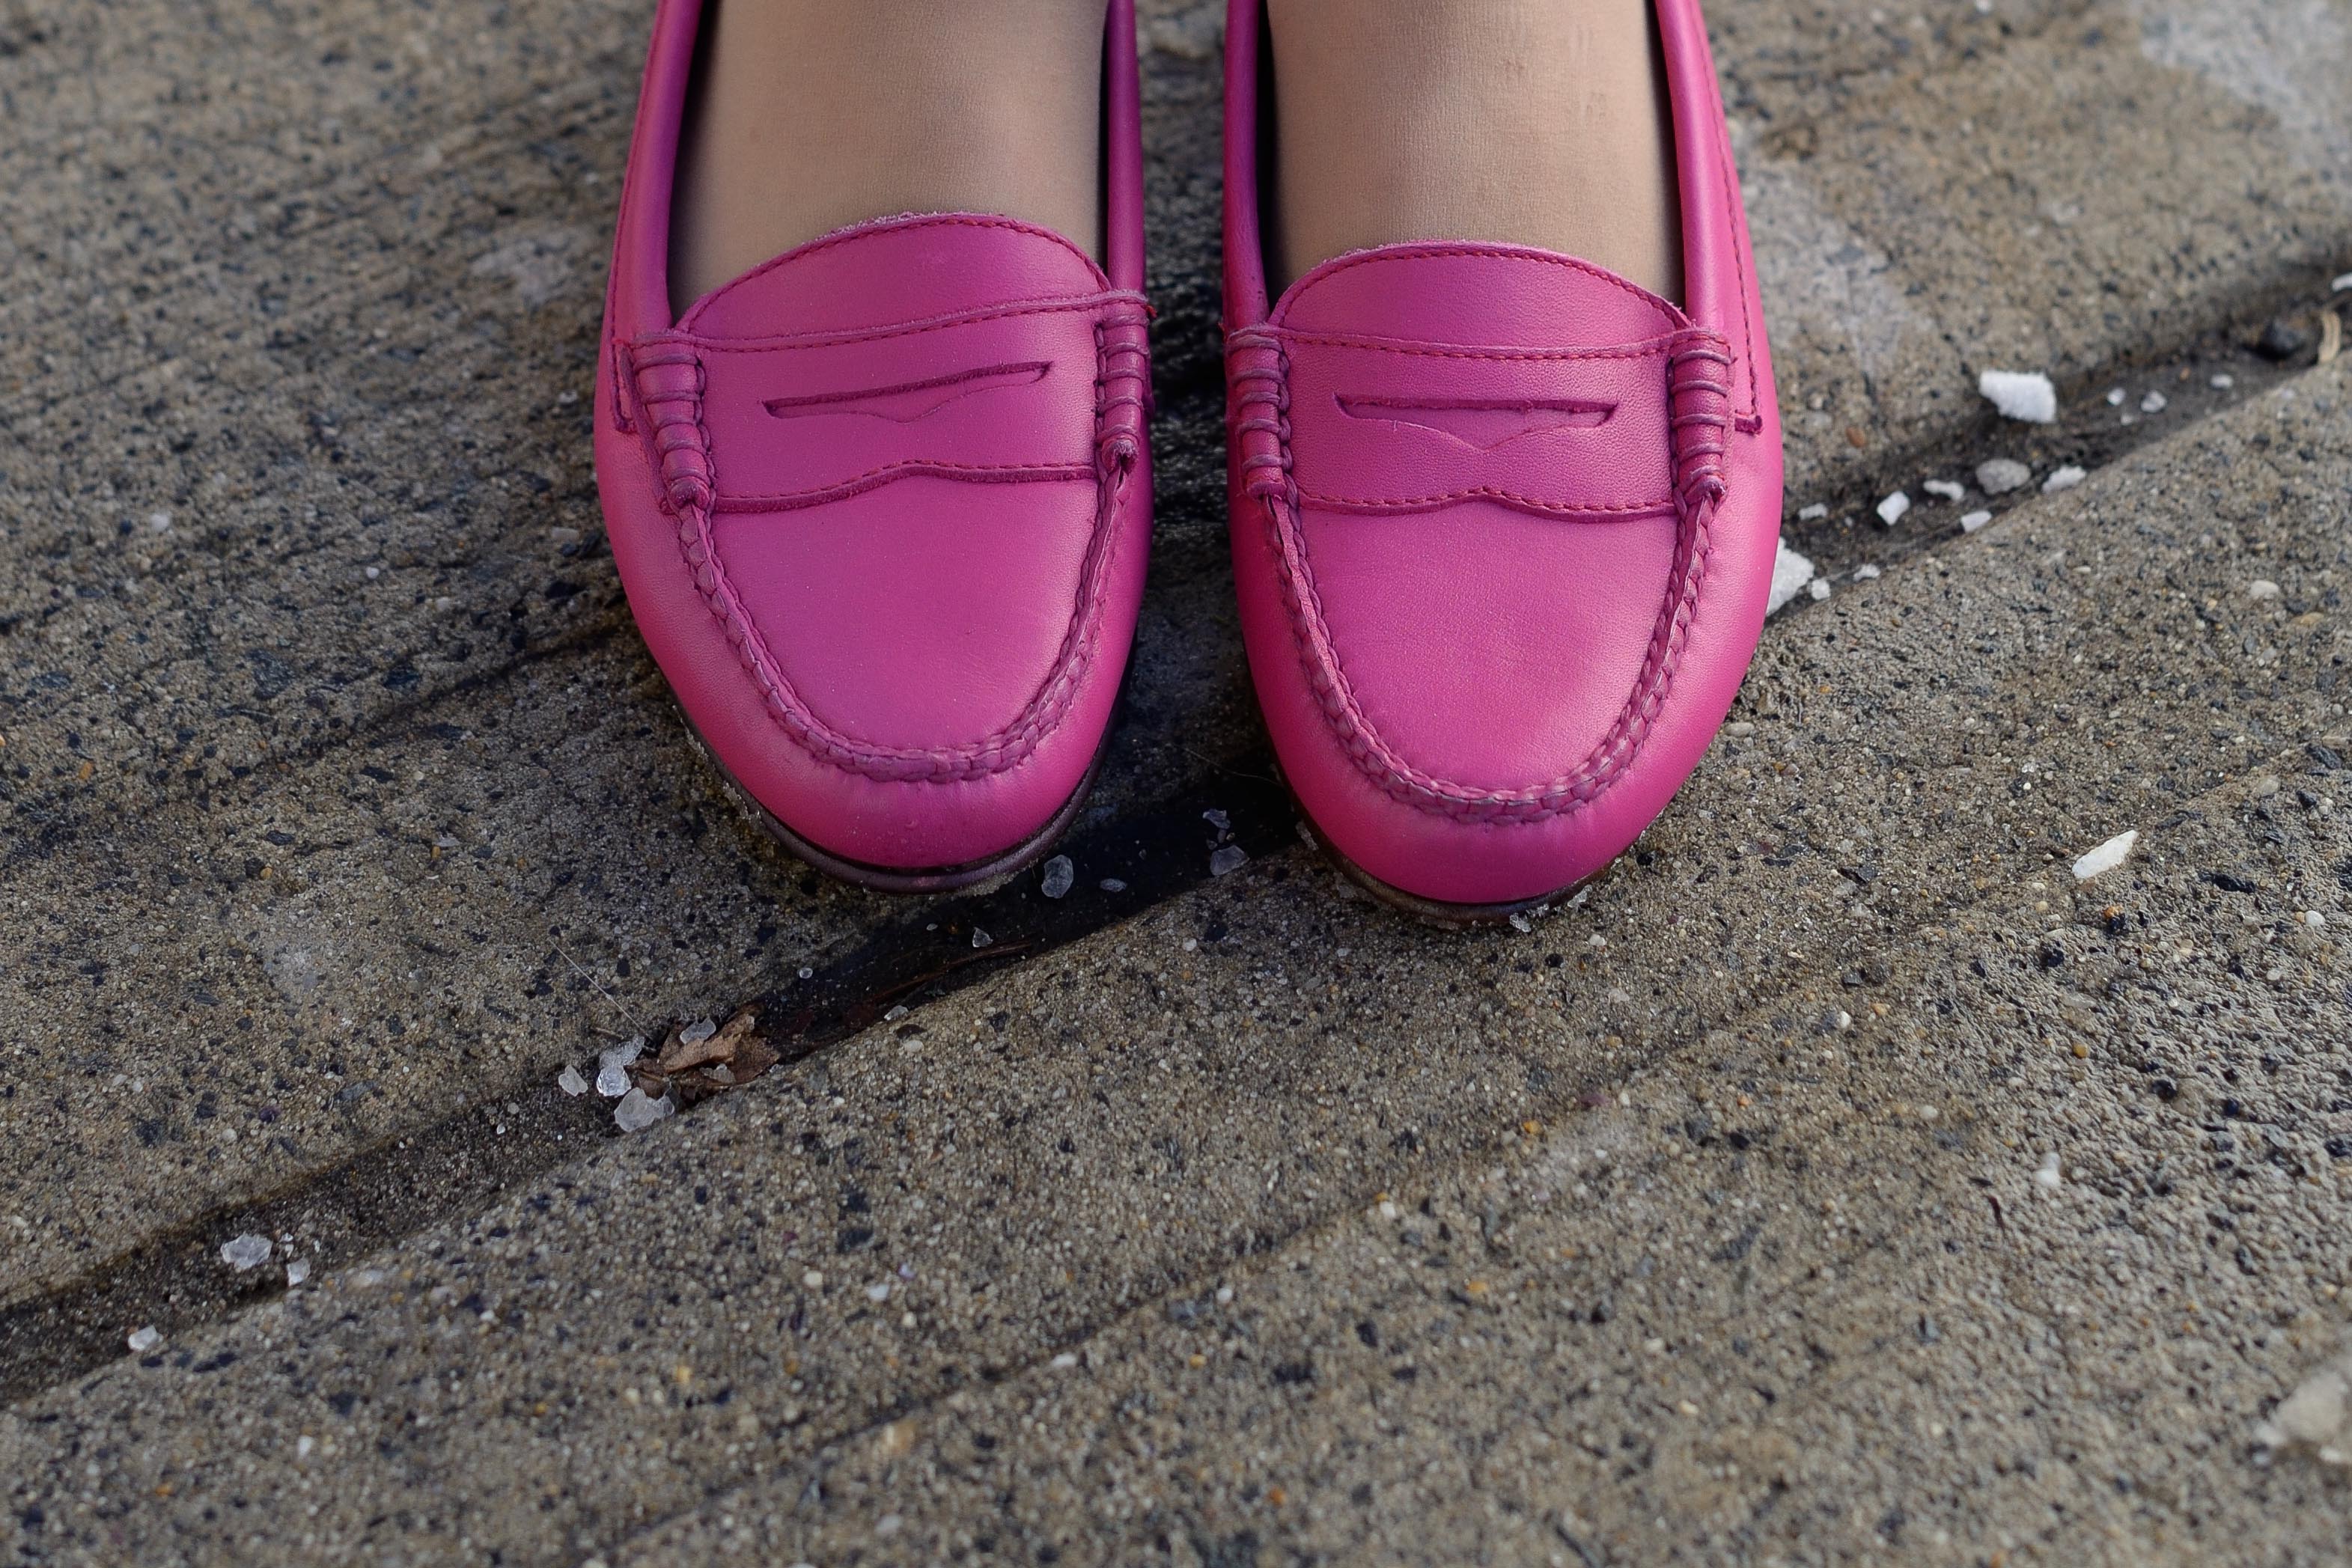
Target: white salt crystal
(1974,521)
(2050,1176)
(569,1081)
(1819,588)
(2025,395)
(1891,510)
(2106,857)
(1791,572)
(613,1067)
(141,1341)
(247,1252)
(2317,1415)
(1111,885)
(1864,573)
(2342,284)
(2262,588)
(1231,858)
(878,1293)
(1812,514)
(1945,489)
(2002,474)
(697,1032)
(2223,383)
(2063,479)
(2154,403)
(981,938)
(1060,877)
(297,1270)
(635,1112)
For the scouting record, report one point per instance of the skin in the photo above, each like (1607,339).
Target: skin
(1539,123)
(810,115)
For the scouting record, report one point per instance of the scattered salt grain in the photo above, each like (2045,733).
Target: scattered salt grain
(1791,572)
(2314,918)
(2223,383)
(141,1341)
(570,1083)
(1891,510)
(246,1253)
(1819,588)
(2154,403)
(2342,285)
(2063,479)
(297,1270)
(2115,398)
(807,973)
(2108,856)
(2317,1415)
(878,1293)
(981,938)
(613,1067)
(1218,820)
(814,1279)
(1111,885)
(2026,396)
(2262,588)
(2002,474)
(1812,514)
(1864,573)
(1060,877)
(1522,924)
(1974,521)
(1064,1362)
(635,1112)
(1944,489)
(1231,858)
(2050,1176)
(697,1032)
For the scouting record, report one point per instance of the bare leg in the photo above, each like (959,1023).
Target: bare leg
(813,114)
(1539,123)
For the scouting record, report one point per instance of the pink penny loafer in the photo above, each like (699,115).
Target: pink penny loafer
(1503,524)
(882,505)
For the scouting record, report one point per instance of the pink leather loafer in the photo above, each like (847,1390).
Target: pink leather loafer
(882,505)
(1502,523)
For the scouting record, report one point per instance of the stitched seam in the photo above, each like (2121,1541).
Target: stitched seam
(911,468)
(1344,716)
(1491,493)
(1542,258)
(850,335)
(1659,349)
(995,754)
(900,225)
(1736,234)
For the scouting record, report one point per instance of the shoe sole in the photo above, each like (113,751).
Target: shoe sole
(1437,911)
(901,880)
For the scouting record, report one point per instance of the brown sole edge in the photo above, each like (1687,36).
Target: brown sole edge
(1436,911)
(898,879)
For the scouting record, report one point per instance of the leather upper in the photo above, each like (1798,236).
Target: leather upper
(1502,522)
(882,505)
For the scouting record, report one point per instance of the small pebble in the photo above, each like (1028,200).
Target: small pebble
(2026,396)
(2002,474)
(1060,877)
(636,1112)
(2265,787)
(141,1341)
(613,1067)
(2066,479)
(1974,521)
(246,1253)
(2314,918)
(2262,588)
(2282,339)
(1893,509)
(1791,572)
(2050,1176)
(2106,857)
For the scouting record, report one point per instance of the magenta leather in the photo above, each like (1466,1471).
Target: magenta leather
(1502,522)
(882,506)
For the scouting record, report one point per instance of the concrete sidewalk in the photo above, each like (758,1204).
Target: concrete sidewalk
(1226,1219)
